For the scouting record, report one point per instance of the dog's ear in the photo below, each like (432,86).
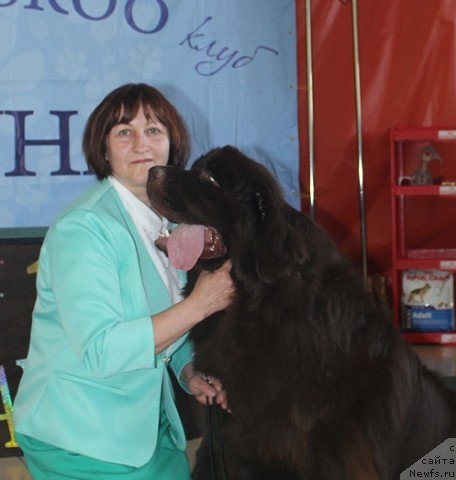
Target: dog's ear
(278,254)
(279,247)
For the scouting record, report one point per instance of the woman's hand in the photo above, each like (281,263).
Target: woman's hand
(203,387)
(213,291)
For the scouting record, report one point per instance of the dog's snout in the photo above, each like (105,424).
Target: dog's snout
(157,172)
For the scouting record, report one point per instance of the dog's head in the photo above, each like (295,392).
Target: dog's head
(241,207)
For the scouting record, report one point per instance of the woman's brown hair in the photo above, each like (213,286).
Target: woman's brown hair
(121,106)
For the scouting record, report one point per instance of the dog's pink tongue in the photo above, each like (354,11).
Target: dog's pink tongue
(185,245)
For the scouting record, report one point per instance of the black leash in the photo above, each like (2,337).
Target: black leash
(215,441)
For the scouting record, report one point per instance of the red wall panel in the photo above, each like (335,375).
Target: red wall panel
(408,79)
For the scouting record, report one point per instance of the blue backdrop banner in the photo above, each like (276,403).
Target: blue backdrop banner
(228,65)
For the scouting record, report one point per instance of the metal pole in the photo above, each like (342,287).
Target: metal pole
(310,108)
(360,139)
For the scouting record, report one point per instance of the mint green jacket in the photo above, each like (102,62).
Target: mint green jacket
(92,382)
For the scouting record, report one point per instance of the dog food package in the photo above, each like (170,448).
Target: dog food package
(427,301)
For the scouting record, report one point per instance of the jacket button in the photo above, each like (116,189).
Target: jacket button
(166,360)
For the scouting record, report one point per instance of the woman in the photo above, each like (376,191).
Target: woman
(95,400)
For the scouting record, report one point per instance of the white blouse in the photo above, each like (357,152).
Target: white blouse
(150,226)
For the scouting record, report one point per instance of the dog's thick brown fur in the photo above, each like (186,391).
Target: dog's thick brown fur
(319,384)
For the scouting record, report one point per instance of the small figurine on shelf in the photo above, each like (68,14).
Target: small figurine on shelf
(422,175)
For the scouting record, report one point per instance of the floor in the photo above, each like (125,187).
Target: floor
(439,358)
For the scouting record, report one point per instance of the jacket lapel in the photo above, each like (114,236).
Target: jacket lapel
(156,292)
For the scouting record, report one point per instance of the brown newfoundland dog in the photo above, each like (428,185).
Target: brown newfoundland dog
(319,384)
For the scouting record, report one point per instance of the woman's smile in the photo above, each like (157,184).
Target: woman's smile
(143,160)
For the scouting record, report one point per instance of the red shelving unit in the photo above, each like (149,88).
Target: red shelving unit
(404,257)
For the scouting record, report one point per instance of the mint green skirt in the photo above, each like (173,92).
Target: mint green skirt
(46,462)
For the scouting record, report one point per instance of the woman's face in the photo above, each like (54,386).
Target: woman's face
(134,148)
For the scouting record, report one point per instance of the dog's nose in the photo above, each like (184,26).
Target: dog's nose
(156,175)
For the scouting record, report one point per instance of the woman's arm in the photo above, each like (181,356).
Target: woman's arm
(81,272)
(79,285)
(212,292)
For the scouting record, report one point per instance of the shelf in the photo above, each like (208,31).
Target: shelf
(427,264)
(402,205)
(423,133)
(440,259)
(425,190)
(447,338)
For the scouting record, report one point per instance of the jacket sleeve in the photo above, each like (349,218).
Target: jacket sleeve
(83,269)
(180,358)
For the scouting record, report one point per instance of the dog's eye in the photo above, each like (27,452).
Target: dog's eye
(207,177)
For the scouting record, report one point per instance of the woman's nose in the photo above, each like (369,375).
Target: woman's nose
(140,142)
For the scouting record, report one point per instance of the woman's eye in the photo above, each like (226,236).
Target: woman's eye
(123,132)
(153,130)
